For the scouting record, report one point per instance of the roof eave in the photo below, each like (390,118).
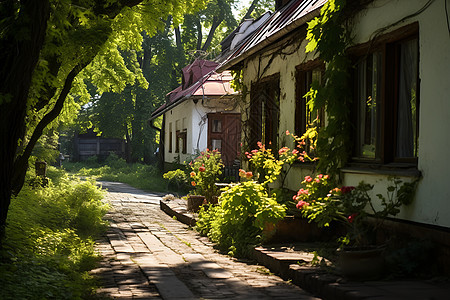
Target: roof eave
(269,40)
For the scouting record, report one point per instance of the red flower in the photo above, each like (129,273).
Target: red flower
(202,169)
(193,183)
(295,151)
(249,175)
(352,217)
(320,176)
(347,189)
(301,203)
(308,179)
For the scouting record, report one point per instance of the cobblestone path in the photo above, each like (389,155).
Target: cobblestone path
(149,255)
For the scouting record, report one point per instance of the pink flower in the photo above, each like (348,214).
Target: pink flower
(302,192)
(283,150)
(287,132)
(317,180)
(295,151)
(294,197)
(259,144)
(308,179)
(326,176)
(352,217)
(254,151)
(320,176)
(248,175)
(301,203)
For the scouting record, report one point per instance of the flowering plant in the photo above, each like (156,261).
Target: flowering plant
(205,170)
(347,204)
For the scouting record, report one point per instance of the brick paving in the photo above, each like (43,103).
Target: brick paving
(149,255)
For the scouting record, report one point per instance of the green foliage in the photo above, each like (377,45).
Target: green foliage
(206,169)
(178,176)
(146,177)
(245,208)
(348,205)
(329,36)
(49,246)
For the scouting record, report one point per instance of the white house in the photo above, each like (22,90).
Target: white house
(201,113)
(401,62)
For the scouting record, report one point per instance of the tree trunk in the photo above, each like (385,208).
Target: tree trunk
(215,24)
(18,60)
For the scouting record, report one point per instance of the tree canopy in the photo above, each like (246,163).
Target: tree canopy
(48,47)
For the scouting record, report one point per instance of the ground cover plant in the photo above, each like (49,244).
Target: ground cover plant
(146,177)
(48,247)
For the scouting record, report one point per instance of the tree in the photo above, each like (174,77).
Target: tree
(46,46)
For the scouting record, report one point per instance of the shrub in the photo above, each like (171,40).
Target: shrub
(206,169)
(237,223)
(49,245)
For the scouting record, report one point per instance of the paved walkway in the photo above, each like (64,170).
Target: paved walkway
(149,255)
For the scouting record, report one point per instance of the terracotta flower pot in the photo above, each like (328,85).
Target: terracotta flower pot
(362,263)
(194,202)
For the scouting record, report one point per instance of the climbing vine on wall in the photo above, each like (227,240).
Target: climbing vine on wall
(329,35)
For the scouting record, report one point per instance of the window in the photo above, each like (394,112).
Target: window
(307,74)
(177,141)
(216,126)
(216,145)
(265,112)
(386,93)
(170,137)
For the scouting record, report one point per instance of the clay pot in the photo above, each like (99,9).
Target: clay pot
(194,202)
(362,263)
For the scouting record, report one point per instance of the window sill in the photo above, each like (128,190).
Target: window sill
(388,169)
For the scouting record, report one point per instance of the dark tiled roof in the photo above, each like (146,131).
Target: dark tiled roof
(290,16)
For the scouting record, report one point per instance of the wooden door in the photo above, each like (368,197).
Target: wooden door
(224,134)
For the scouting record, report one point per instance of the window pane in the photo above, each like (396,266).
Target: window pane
(217,126)
(216,145)
(368,91)
(407,101)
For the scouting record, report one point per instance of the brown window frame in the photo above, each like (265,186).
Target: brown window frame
(388,46)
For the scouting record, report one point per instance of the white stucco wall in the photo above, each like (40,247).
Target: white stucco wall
(432,202)
(196,123)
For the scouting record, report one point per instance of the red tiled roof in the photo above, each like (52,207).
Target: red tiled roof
(208,83)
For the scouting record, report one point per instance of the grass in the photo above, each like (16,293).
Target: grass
(145,177)
(48,248)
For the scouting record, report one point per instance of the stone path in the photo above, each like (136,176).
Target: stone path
(149,255)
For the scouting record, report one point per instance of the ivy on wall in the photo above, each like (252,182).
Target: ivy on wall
(328,34)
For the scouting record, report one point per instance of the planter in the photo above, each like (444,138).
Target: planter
(194,202)
(362,263)
(295,229)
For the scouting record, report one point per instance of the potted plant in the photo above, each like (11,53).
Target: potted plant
(205,171)
(360,257)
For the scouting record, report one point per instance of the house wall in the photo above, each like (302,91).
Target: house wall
(431,205)
(196,123)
